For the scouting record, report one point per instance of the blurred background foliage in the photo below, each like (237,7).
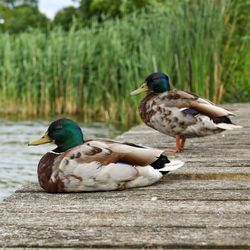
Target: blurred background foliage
(86,60)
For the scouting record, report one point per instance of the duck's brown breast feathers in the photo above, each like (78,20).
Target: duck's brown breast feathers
(45,169)
(144,112)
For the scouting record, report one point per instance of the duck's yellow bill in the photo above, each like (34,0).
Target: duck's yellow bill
(44,139)
(143,88)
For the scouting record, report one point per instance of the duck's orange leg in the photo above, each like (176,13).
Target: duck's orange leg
(179,144)
(182,143)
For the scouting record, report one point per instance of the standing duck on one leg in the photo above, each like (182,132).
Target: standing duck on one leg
(178,113)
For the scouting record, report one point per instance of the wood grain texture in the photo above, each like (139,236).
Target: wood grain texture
(204,205)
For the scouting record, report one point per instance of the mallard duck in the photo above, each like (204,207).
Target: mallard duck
(178,113)
(77,165)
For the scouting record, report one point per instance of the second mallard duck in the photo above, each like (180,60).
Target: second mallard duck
(178,113)
(76,165)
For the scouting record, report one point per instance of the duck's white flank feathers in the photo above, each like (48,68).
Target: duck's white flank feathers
(146,176)
(93,177)
(227,126)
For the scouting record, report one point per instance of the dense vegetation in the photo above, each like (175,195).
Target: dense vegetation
(89,71)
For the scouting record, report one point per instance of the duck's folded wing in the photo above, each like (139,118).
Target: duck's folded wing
(182,100)
(209,109)
(130,153)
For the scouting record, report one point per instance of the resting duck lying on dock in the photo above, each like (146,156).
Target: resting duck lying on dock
(178,113)
(96,165)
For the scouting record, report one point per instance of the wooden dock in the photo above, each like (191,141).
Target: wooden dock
(204,205)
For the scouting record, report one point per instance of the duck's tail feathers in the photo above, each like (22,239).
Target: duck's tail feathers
(171,166)
(227,126)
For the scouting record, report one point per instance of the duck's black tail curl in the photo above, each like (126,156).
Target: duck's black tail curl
(164,165)
(160,163)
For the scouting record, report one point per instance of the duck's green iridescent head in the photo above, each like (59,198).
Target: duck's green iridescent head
(65,133)
(157,82)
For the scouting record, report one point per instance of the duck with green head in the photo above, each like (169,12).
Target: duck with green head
(178,113)
(77,165)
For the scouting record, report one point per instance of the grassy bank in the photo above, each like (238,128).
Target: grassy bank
(90,72)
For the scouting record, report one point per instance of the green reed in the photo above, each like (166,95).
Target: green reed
(90,72)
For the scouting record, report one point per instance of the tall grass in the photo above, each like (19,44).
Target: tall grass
(90,72)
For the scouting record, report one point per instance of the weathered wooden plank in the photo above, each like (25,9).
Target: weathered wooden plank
(161,193)
(218,170)
(173,185)
(131,237)
(122,202)
(207,176)
(107,218)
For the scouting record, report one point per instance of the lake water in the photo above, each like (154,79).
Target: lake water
(18,162)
